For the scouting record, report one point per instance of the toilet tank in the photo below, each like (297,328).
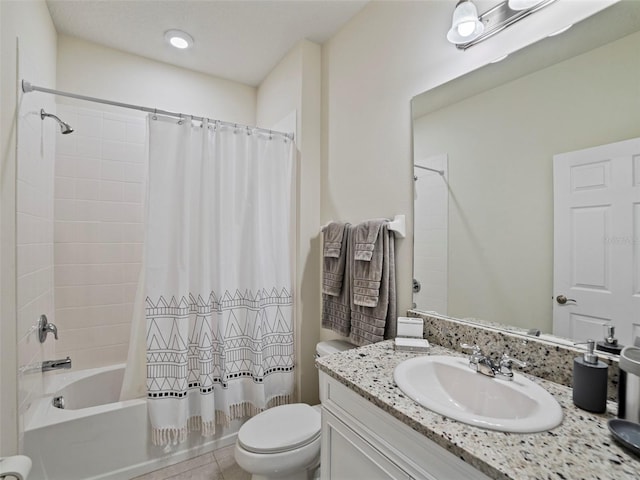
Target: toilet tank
(332,346)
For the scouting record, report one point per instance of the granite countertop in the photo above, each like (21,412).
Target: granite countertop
(580,448)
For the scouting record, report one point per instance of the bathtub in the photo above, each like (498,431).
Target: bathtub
(98,437)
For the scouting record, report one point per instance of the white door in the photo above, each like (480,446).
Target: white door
(597,242)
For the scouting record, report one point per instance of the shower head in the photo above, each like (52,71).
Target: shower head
(64,126)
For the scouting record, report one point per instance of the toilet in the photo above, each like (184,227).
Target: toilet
(284,442)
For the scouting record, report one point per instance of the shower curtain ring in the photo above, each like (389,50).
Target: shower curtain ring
(155,114)
(180,121)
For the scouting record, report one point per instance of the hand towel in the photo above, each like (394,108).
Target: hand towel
(332,236)
(368,259)
(334,258)
(336,309)
(373,324)
(365,236)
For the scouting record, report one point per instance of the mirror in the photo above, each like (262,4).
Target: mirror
(483,230)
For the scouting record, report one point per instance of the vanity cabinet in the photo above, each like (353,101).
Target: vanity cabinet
(360,440)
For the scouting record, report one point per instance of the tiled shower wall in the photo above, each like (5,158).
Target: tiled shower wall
(98,232)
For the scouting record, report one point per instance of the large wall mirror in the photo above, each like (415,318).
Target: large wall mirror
(484,205)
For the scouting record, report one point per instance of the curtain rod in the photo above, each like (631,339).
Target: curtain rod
(28,87)
(441,172)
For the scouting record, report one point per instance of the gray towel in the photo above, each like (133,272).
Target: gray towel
(373,324)
(334,258)
(332,236)
(368,258)
(336,310)
(365,238)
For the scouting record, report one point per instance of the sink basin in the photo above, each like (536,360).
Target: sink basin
(449,387)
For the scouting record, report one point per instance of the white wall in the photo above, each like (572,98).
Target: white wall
(294,85)
(90,69)
(385,55)
(30,23)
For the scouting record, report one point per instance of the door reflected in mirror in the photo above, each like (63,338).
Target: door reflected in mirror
(484,231)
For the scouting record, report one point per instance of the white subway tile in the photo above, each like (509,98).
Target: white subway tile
(114,130)
(133,193)
(65,165)
(135,153)
(133,232)
(136,132)
(87,189)
(134,172)
(112,170)
(112,150)
(98,357)
(110,232)
(86,167)
(88,125)
(111,191)
(88,147)
(131,272)
(86,210)
(64,188)
(132,253)
(66,144)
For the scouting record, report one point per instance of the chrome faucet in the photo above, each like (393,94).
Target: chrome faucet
(45,327)
(484,365)
(49,365)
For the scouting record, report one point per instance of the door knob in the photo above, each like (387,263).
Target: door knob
(561,299)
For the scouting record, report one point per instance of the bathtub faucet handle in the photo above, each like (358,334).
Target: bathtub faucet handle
(45,327)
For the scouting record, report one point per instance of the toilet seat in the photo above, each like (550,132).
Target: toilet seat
(280,429)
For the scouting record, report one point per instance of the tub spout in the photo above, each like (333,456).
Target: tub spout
(49,365)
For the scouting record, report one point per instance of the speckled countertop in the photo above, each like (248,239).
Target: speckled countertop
(580,448)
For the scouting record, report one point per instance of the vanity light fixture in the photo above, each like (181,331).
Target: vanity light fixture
(178,39)
(465,25)
(469,29)
(518,5)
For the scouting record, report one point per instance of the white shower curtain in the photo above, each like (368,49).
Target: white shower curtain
(219,249)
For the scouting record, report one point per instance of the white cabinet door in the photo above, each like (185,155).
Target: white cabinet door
(346,456)
(596,241)
(361,441)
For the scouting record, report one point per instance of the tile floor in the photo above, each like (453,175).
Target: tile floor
(218,465)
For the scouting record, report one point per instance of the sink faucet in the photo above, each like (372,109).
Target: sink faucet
(484,365)
(49,365)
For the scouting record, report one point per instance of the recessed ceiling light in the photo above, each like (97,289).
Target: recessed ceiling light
(178,38)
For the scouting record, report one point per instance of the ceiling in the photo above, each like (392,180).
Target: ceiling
(240,40)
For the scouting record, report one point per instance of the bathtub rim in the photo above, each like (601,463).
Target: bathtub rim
(45,414)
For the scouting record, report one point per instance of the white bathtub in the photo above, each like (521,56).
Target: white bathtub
(98,437)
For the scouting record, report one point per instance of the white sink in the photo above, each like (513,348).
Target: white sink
(449,387)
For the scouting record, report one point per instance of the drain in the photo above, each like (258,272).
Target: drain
(58,401)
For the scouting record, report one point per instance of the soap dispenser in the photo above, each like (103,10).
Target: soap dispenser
(610,343)
(590,381)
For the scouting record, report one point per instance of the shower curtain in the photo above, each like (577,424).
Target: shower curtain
(219,303)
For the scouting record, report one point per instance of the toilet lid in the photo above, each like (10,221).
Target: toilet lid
(280,429)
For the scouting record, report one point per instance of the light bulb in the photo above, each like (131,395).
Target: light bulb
(178,39)
(466,28)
